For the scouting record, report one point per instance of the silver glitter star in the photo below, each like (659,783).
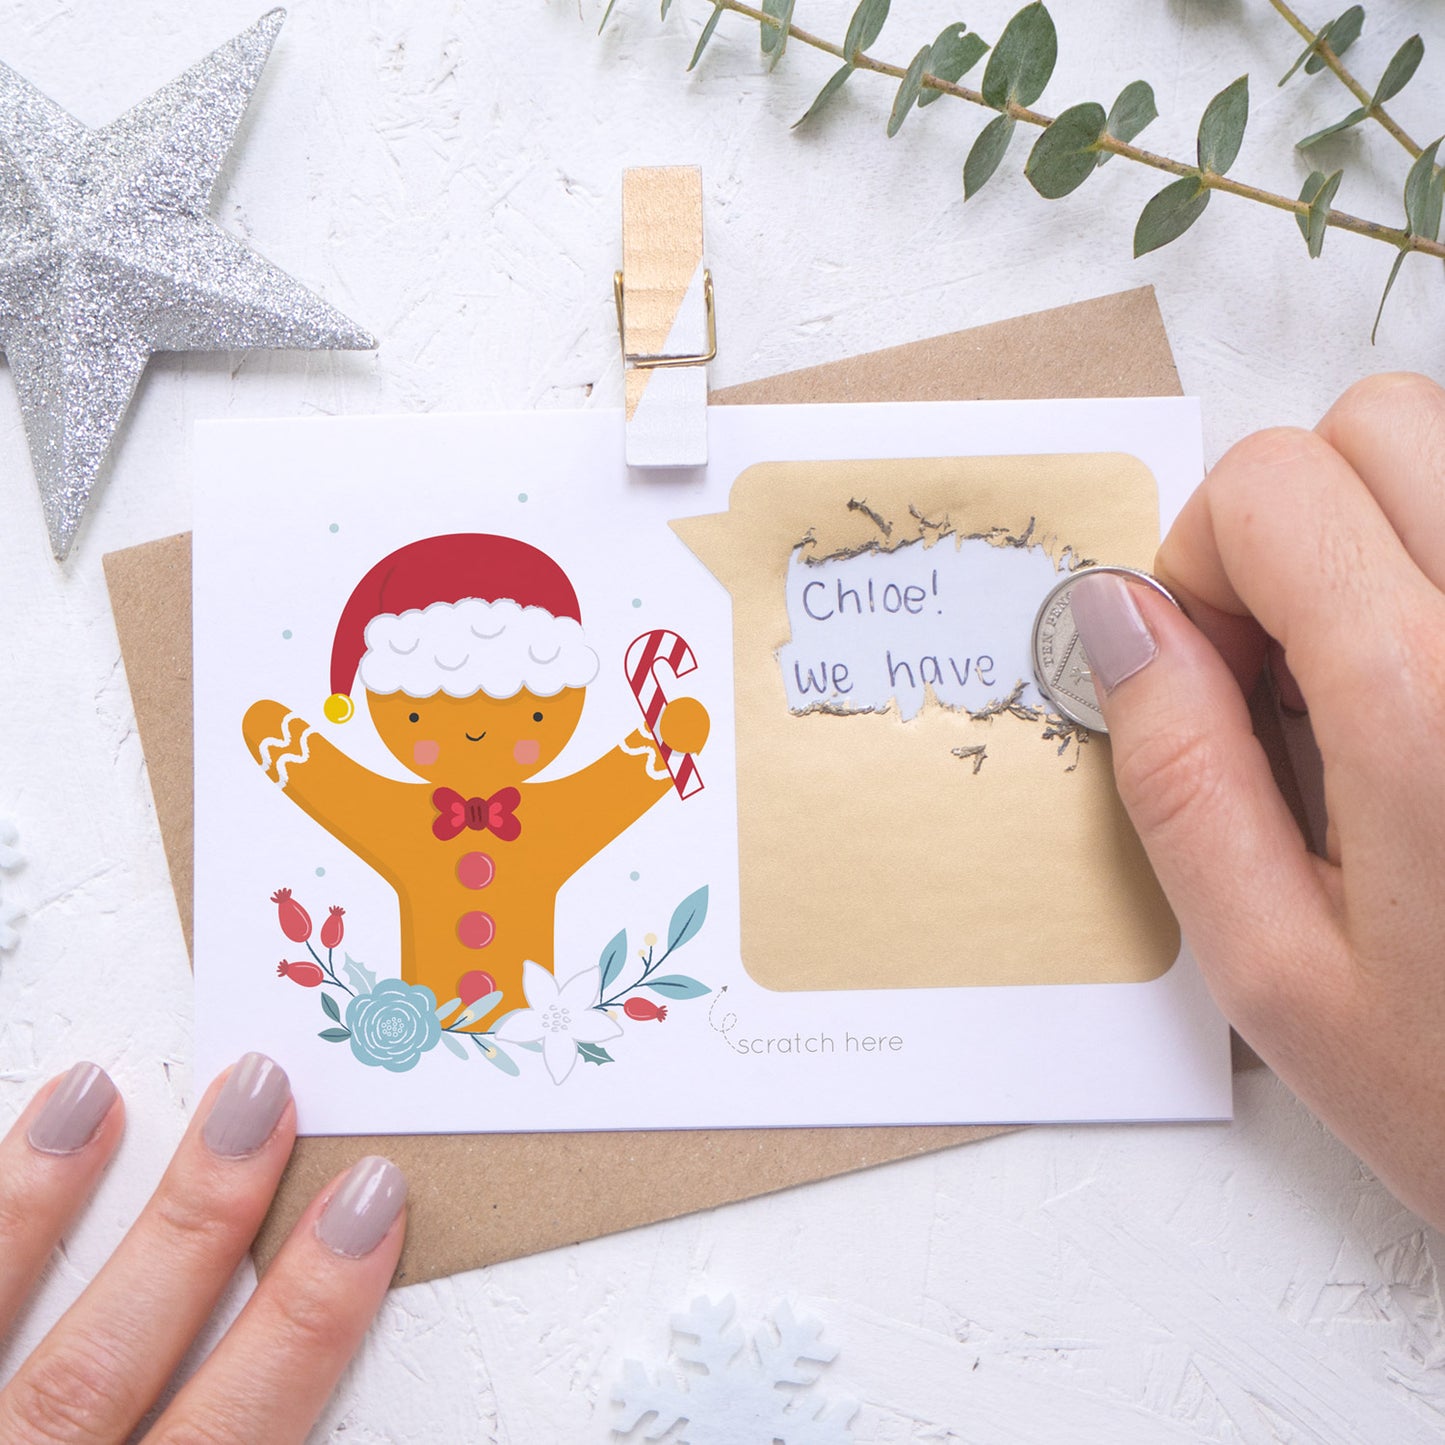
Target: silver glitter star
(107,255)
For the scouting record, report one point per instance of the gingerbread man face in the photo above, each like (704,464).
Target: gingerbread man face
(476,743)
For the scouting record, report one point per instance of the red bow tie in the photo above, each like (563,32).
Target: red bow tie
(497,813)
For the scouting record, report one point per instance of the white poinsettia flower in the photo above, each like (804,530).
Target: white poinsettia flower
(559,1016)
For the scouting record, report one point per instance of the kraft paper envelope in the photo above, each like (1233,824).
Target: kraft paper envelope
(561,1188)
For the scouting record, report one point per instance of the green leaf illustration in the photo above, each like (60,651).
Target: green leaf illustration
(687,918)
(956,51)
(334,1036)
(613,957)
(1133,110)
(1023,60)
(329,1007)
(1319,192)
(1063,157)
(456,1046)
(595,1053)
(678,985)
(1399,72)
(1170,214)
(1352,119)
(864,28)
(358,975)
(706,35)
(908,89)
(835,84)
(1221,128)
(986,152)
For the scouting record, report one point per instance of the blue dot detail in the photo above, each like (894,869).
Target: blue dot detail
(321,873)
(335,527)
(287,634)
(634,875)
(521,496)
(637,602)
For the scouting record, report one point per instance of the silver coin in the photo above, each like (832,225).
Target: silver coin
(1060,664)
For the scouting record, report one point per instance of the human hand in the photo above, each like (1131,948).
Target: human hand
(95,1375)
(1325,548)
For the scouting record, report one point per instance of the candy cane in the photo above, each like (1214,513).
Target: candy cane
(643,656)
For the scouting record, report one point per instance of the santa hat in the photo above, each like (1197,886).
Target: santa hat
(466,613)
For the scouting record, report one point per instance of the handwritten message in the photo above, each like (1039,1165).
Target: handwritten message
(949,622)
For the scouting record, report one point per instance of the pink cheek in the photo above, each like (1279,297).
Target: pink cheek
(527,751)
(425,753)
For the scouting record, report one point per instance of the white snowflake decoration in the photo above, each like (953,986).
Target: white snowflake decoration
(10,858)
(750,1393)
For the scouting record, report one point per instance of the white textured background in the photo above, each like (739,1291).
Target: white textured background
(448,174)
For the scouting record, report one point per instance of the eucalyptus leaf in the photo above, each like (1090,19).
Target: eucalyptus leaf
(1339,35)
(706,35)
(1170,214)
(1319,192)
(1221,128)
(445,1010)
(456,1046)
(613,957)
(687,918)
(908,89)
(864,28)
(1423,195)
(836,81)
(1352,119)
(329,1007)
(606,15)
(1385,296)
(1063,157)
(666,6)
(1022,61)
(956,51)
(1400,70)
(774,37)
(986,152)
(334,1036)
(1130,113)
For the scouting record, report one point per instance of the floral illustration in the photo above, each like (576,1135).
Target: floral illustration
(390,1023)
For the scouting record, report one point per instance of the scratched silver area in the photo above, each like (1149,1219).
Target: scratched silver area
(1061,665)
(107,255)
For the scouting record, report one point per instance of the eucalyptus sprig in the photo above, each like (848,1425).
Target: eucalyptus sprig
(1076,142)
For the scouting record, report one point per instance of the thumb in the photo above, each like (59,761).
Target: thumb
(1198,787)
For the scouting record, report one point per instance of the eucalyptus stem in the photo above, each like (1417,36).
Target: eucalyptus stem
(1396,236)
(1337,67)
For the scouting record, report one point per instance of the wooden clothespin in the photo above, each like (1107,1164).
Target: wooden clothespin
(665,317)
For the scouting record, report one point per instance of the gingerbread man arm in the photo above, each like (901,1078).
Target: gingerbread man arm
(349,801)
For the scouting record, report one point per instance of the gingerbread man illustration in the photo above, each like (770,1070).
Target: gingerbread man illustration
(471,651)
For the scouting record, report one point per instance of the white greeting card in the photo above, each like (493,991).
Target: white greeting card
(533,793)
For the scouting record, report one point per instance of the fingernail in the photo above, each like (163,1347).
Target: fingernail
(248,1108)
(73,1113)
(1114,634)
(363,1208)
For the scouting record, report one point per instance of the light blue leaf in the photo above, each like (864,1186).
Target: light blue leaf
(864,28)
(358,975)
(495,1056)
(478,1009)
(678,985)
(334,1036)
(455,1045)
(448,1007)
(774,37)
(613,957)
(687,918)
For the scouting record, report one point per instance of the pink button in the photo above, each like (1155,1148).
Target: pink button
(475,870)
(476,930)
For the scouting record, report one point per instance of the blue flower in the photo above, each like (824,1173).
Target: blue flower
(393,1025)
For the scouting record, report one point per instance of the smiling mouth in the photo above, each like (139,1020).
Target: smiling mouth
(476,739)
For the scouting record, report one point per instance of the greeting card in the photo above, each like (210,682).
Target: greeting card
(534,793)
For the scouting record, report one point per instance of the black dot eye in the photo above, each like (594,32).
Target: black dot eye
(536,717)
(414,717)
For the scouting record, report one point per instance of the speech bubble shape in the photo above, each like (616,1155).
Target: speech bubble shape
(927,838)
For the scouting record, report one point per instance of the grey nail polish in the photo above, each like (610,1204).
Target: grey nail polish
(1115,636)
(248,1108)
(73,1113)
(363,1208)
